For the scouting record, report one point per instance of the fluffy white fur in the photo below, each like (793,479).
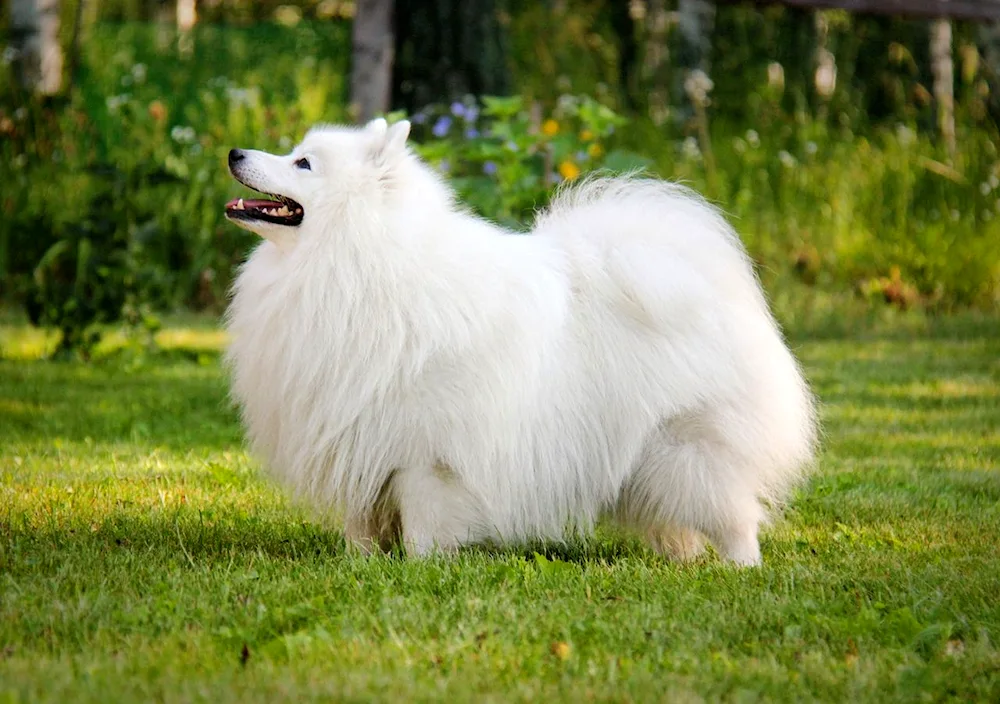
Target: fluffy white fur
(432,376)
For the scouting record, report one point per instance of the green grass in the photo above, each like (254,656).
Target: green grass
(141,557)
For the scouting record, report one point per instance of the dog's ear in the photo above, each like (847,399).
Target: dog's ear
(377,126)
(395,138)
(390,144)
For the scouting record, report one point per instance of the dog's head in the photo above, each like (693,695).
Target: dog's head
(330,166)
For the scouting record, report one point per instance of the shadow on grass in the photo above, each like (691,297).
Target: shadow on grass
(605,547)
(188,536)
(200,539)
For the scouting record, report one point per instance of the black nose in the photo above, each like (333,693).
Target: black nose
(236,156)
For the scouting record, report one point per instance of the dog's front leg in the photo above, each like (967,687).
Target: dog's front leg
(437,514)
(360,536)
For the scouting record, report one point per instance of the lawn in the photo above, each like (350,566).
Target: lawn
(142,558)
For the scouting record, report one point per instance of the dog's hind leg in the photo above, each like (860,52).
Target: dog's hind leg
(379,527)
(688,483)
(436,512)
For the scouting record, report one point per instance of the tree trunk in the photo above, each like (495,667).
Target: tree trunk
(371,59)
(35,37)
(695,20)
(446,49)
(944,80)
(624,23)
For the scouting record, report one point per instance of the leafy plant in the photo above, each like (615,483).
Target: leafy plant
(93,272)
(505,158)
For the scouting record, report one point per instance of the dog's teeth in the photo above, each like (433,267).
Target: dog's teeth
(284,211)
(239,204)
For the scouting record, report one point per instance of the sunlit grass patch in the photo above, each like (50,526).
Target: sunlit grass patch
(142,556)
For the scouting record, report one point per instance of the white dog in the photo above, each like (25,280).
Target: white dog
(435,378)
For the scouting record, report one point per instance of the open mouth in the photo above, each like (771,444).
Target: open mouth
(280,211)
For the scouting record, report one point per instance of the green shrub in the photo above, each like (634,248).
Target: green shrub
(112,201)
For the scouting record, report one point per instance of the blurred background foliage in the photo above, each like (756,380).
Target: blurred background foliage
(838,182)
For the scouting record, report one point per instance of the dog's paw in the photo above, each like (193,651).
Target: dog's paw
(740,547)
(680,544)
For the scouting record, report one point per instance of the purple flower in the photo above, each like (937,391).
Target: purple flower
(471,133)
(511,146)
(490,168)
(457,109)
(419,118)
(581,156)
(442,126)
(471,113)
(444,166)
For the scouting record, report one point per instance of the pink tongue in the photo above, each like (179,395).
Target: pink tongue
(249,204)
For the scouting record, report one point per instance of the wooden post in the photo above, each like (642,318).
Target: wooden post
(34,26)
(944,80)
(929,9)
(988,36)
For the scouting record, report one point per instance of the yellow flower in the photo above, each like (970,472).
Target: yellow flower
(595,150)
(568,170)
(586,135)
(550,127)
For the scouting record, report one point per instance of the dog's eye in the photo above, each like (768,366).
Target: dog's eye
(303,163)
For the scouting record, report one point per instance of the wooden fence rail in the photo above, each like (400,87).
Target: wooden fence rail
(988,10)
